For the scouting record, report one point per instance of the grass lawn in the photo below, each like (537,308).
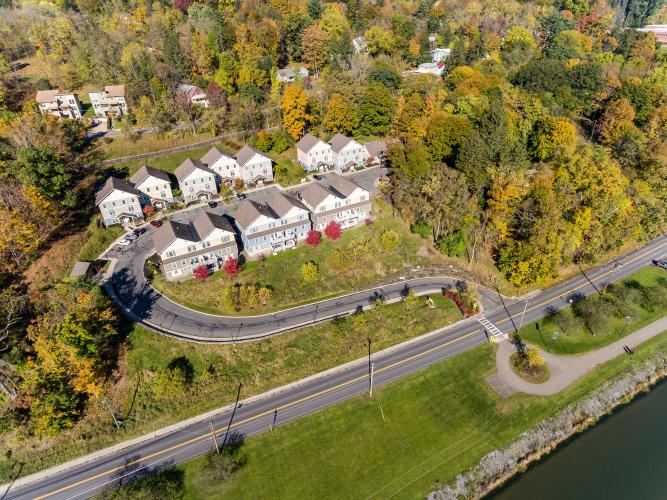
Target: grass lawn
(282,273)
(286,171)
(576,336)
(216,372)
(437,423)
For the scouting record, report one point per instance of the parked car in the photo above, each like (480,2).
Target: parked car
(317,177)
(662,264)
(124,242)
(241,196)
(212,204)
(139,231)
(156,223)
(131,236)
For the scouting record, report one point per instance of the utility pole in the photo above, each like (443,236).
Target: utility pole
(370,391)
(215,439)
(523,314)
(229,426)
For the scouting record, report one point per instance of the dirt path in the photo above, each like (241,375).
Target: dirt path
(565,369)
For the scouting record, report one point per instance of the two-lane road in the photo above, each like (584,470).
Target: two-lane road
(252,417)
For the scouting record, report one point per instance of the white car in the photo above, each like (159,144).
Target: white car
(131,236)
(124,242)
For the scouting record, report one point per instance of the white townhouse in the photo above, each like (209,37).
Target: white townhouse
(59,104)
(110,101)
(336,198)
(119,202)
(255,167)
(374,153)
(273,226)
(155,185)
(313,153)
(347,152)
(194,93)
(223,164)
(208,241)
(197,181)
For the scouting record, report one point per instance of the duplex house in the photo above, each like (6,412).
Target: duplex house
(255,166)
(336,198)
(155,186)
(119,202)
(110,101)
(58,104)
(313,153)
(374,152)
(223,164)
(347,152)
(194,93)
(197,181)
(273,226)
(208,241)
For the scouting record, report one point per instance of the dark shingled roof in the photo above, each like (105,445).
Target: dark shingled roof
(307,142)
(245,153)
(169,232)
(145,171)
(281,204)
(207,222)
(249,211)
(112,184)
(314,194)
(188,165)
(213,155)
(342,185)
(376,148)
(339,141)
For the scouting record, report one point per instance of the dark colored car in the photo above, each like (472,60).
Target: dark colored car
(212,204)
(139,231)
(156,223)
(241,196)
(317,177)
(662,264)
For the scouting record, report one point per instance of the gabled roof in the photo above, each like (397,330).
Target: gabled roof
(170,232)
(188,166)
(288,72)
(207,222)
(339,141)
(249,211)
(244,154)
(115,90)
(280,204)
(340,184)
(189,90)
(112,184)
(213,155)
(307,142)
(145,171)
(376,148)
(314,194)
(44,96)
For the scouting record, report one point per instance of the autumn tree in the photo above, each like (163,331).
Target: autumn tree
(232,267)
(309,271)
(314,238)
(294,106)
(333,230)
(341,115)
(314,48)
(375,110)
(200,273)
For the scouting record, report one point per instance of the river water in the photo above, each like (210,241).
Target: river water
(623,457)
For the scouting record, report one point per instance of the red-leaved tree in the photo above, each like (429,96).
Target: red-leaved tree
(148,210)
(200,272)
(333,230)
(314,238)
(232,267)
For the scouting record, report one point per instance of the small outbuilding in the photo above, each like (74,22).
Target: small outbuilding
(86,268)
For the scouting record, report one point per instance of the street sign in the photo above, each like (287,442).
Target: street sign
(554,336)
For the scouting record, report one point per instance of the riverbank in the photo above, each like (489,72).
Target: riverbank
(499,466)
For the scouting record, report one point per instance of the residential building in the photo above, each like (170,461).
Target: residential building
(660,31)
(288,75)
(196,181)
(155,185)
(194,93)
(430,68)
(208,241)
(347,153)
(59,104)
(313,153)
(223,164)
(374,153)
(119,202)
(273,226)
(336,198)
(254,166)
(87,269)
(359,44)
(110,101)
(438,55)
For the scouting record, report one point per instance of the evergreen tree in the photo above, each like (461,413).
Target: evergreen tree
(173,54)
(314,9)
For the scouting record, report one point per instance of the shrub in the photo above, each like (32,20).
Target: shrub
(410,300)
(309,271)
(453,244)
(421,228)
(339,260)
(232,267)
(263,141)
(314,238)
(333,230)
(148,210)
(239,184)
(389,240)
(200,272)
(534,358)
(280,142)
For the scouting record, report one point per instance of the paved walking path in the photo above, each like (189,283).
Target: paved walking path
(566,369)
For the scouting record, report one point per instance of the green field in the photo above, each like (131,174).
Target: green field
(437,423)
(642,296)
(281,272)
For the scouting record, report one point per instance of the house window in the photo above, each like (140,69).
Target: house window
(192,248)
(206,244)
(112,212)
(301,216)
(253,229)
(225,239)
(322,208)
(283,222)
(173,265)
(170,253)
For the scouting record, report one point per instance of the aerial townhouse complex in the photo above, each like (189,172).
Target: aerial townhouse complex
(248,164)
(196,180)
(155,185)
(338,199)
(341,153)
(208,241)
(110,101)
(58,104)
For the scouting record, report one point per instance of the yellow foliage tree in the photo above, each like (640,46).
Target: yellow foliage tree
(294,106)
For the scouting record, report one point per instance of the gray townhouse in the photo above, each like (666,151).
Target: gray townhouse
(196,180)
(119,202)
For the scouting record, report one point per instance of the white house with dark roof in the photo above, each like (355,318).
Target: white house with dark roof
(222,163)
(196,181)
(194,93)
(288,75)
(313,153)
(59,104)
(209,241)
(119,202)
(374,153)
(347,153)
(254,166)
(155,185)
(273,226)
(336,198)
(110,101)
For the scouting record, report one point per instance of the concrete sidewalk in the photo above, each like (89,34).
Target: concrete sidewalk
(566,369)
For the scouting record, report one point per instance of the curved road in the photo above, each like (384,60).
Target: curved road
(172,446)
